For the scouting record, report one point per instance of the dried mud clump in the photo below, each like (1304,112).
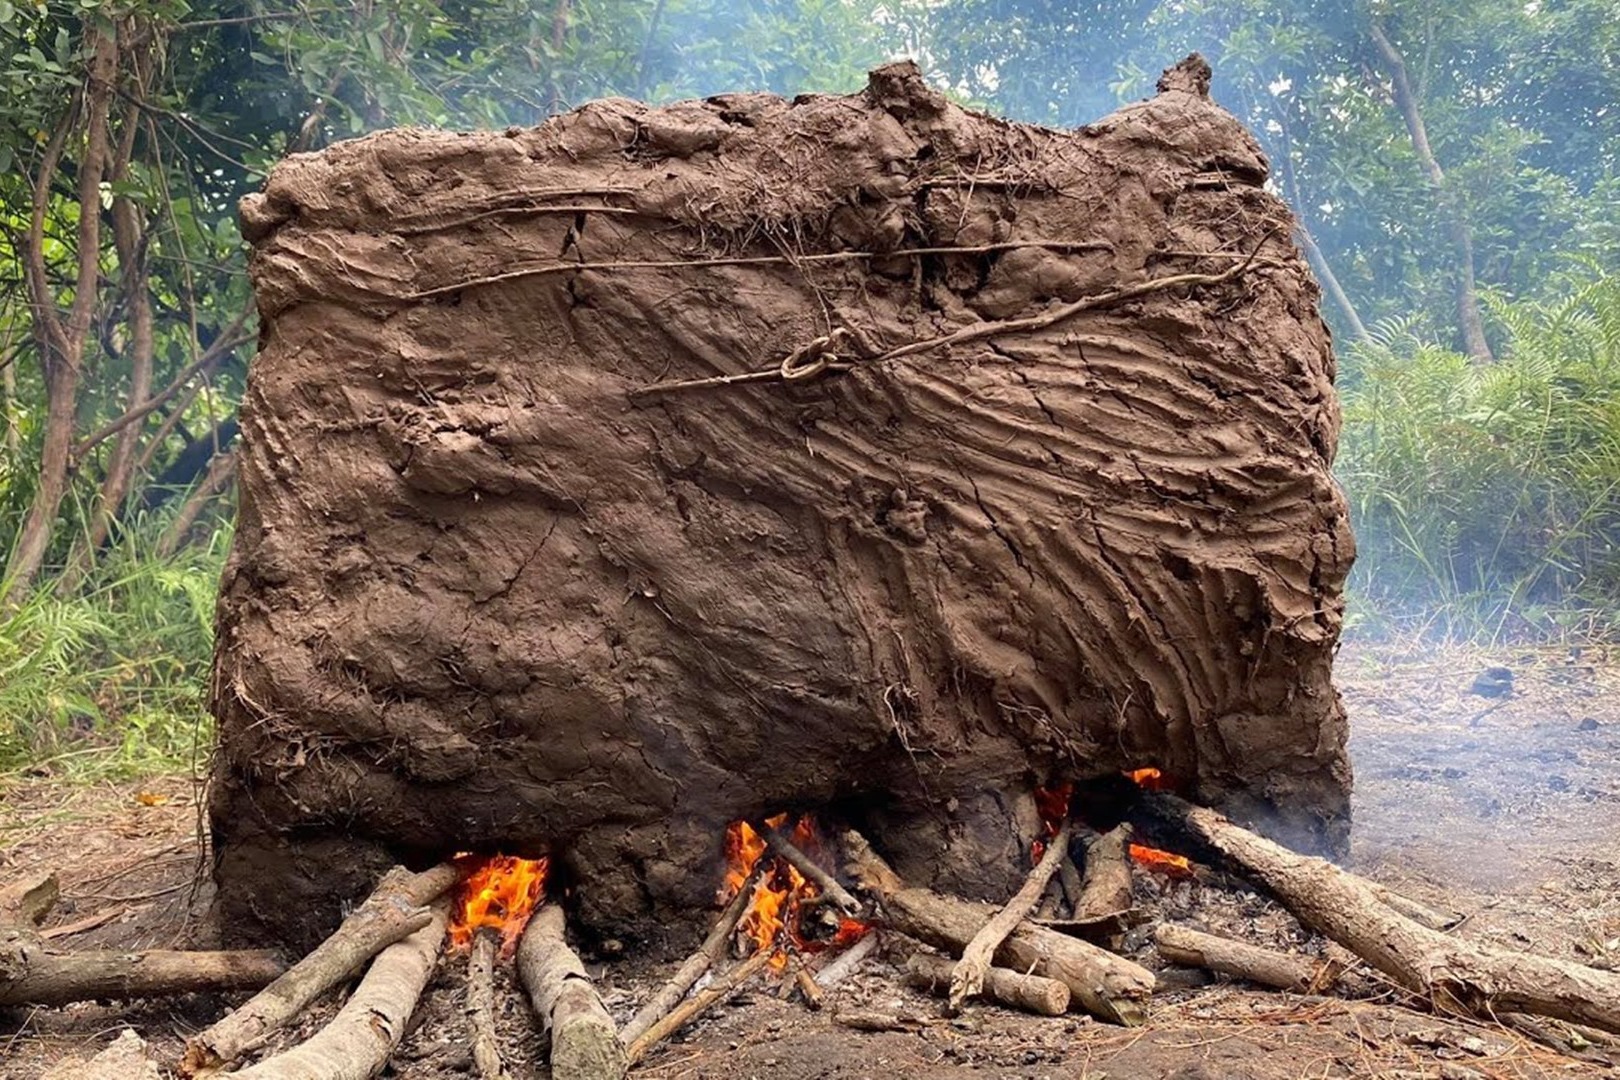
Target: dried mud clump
(488,592)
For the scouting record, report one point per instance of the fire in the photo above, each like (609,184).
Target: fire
(1149,779)
(499,892)
(1052,804)
(1154,859)
(775,915)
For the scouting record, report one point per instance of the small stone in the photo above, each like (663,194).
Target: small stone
(1474,1045)
(1452,1071)
(1589,723)
(1558,783)
(1493,682)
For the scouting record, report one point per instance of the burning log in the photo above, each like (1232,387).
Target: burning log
(829,886)
(32,973)
(584,1044)
(711,952)
(358,1041)
(481,1002)
(394,911)
(847,962)
(1266,967)
(1032,993)
(1454,974)
(679,1018)
(967,978)
(1106,985)
(1106,888)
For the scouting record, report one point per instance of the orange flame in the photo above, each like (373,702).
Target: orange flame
(1052,804)
(1149,779)
(499,892)
(1164,861)
(775,913)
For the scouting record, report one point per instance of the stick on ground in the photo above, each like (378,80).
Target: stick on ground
(1266,967)
(32,974)
(1032,993)
(847,962)
(395,910)
(584,1044)
(967,978)
(1103,984)
(358,1041)
(719,990)
(481,1004)
(1451,973)
(711,952)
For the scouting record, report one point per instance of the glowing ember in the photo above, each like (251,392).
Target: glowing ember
(1164,861)
(774,918)
(499,892)
(1052,804)
(1149,779)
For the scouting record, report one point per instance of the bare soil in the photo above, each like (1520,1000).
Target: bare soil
(1503,808)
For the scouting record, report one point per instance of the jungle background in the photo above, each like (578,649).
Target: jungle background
(1456,169)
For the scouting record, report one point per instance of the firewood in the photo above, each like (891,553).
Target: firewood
(711,952)
(486,1053)
(825,882)
(395,910)
(1106,887)
(808,989)
(33,974)
(1100,930)
(1070,884)
(358,1041)
(1050,900)
(967,978)
(1267,967)
(847,962)
(584,1043)
(1032,993)
(1453,974)
(679,1018)
(878,1020)
(1415,910)
(1103,984)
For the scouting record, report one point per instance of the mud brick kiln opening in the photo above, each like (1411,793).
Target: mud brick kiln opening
(1029,480)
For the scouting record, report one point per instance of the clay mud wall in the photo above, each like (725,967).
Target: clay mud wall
(489,591)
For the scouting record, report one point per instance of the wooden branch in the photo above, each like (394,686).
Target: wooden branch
(481,1005)
(1415,910)
(33,974)
(847,962)
(1032,993)
(357,1043)
(717,991)
(392,912)
(1106,888)
(825,882)
(1106,985)
(584,1044)
(808,988)
(711,952)
(967,979)
(1194,948)
(1451,973)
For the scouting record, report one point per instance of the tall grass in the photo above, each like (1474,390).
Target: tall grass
(1486,498)
(110,680)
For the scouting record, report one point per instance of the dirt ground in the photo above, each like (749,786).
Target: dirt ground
(1504,808)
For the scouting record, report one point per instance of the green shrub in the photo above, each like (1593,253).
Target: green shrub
(1486,498)
(111,680)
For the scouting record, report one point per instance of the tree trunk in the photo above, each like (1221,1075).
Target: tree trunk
(1462,237)
(1330,282)
(62,341)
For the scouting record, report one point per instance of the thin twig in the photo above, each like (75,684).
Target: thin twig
(749,260)
(719,990)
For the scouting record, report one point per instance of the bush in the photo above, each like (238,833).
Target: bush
(112,679)
(1486,498)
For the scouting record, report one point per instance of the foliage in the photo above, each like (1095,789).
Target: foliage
(1486,498)
(110,679)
